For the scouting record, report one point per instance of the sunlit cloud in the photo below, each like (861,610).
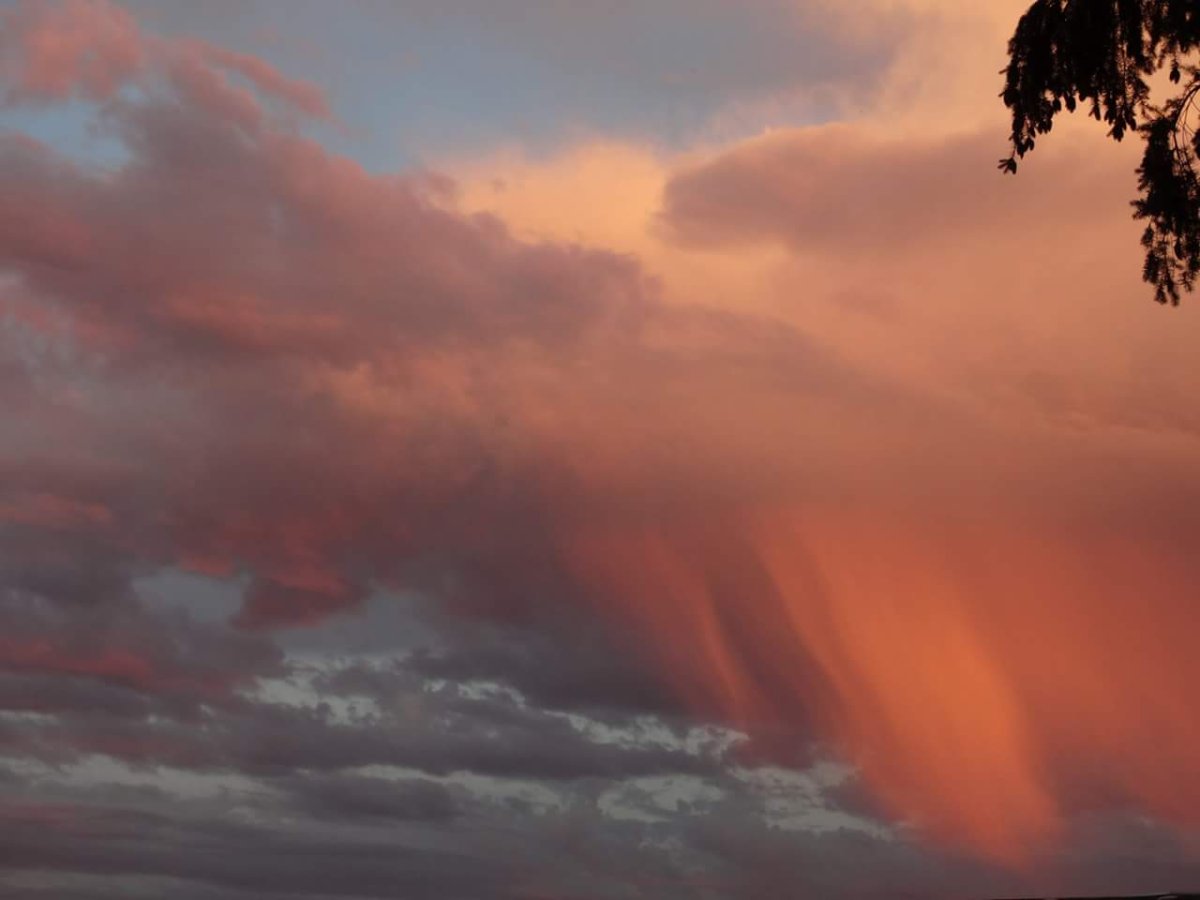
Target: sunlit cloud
(788,504)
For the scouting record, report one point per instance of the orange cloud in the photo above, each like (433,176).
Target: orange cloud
(958,552)
(852,437)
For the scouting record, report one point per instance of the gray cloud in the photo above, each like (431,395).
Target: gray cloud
(236,354)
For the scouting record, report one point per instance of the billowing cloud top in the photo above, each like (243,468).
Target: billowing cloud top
(726,511)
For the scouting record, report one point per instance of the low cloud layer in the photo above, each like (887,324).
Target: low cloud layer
(359,542)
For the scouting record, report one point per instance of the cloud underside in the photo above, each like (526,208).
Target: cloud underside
(357,545)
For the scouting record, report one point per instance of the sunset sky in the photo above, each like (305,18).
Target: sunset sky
(580,450)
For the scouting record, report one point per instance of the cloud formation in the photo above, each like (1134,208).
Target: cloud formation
(862,561)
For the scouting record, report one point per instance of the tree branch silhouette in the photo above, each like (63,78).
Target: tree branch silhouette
(1101,54)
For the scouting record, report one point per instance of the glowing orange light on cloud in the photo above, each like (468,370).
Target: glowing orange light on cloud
(986,682)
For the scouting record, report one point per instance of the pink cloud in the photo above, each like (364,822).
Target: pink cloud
(50,511)
(54,51)
(331,381)
(304,96)
(843,189)
(178,661)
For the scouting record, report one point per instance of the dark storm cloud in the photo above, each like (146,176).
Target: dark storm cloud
(496,848)
(167,657)
(436,730)
(120,843)
(235,353)
(352,797)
